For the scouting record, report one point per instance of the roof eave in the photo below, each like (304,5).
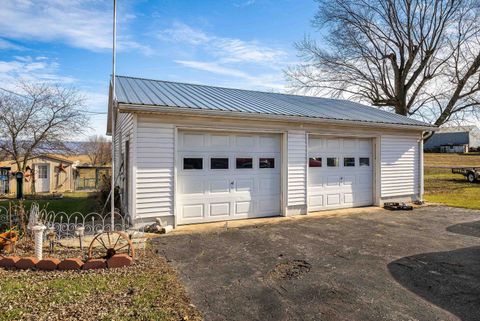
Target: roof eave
(125,107)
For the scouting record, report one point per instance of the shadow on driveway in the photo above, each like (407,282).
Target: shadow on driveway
(450,280)
(469,228)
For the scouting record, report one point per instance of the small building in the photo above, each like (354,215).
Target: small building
(44,174)
(91,177)
(190,153)
(454,148)
(462,139)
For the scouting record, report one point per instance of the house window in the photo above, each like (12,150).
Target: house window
(332,161)
(42,171)
(244,163)
(315,162)
(266,163)
(193,163)
(349,161)
(364,161)
(219,163)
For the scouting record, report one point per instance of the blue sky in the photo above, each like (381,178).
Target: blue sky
(236,43)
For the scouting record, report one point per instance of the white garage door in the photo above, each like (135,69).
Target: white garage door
(340,173)
(223,176)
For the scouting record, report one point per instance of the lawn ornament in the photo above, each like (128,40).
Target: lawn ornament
(8,241)
(107,244)
(38,231)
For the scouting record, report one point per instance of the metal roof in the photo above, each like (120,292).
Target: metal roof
(139,91)
(439,139)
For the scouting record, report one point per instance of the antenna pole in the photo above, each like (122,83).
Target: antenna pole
(112,199)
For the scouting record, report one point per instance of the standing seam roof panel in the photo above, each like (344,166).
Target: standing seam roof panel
(217,104)
(140,91)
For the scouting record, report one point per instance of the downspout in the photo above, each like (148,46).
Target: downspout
(421,191)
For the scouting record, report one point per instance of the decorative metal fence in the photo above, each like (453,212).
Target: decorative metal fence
(66,225)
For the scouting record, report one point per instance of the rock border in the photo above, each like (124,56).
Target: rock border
(52,264)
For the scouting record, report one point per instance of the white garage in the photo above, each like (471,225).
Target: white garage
(223,176)
(195,154)
(340,172)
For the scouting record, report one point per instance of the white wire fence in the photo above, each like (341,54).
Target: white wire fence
(64,225)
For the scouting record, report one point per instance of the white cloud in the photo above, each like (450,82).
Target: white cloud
(270,81)
(42,69)
(8,45)
(80,23)
(246,3)
(225,49)
(30,69)
(255,64)
(181,32)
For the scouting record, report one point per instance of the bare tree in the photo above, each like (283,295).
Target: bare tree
(37,119)
(419,58)
(98,149)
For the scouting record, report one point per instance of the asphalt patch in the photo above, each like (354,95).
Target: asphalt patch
(290,270)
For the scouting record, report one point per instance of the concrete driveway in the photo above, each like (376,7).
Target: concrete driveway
(363,265)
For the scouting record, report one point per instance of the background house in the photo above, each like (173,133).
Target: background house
(54,173)
(462,139)
(45,174)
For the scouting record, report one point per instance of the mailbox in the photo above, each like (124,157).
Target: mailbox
(19,177)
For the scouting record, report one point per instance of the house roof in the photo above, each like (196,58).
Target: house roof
(192,97)
(449,138)
(57,158)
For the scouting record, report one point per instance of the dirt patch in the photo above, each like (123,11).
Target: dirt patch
(290,270)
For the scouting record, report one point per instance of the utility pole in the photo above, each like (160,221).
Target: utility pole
(113,113)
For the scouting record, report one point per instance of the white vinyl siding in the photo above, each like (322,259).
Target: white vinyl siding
(124,131)
(400,166)
(154,184)
(297,171)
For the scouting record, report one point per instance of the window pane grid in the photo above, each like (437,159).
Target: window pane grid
(243,163)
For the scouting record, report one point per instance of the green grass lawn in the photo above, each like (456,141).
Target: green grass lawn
(148,290)
(441,186)
(82,202)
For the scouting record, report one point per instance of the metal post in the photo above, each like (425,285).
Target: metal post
(112,199)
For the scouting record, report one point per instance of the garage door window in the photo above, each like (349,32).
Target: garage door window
(192,163)
(244,163)
(349,162)
(332,161)
(364,161)
(315,162)
(266,163)
(219,163)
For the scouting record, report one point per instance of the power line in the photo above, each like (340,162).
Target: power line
(14,93)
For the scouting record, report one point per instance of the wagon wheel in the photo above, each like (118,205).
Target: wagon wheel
(111,243)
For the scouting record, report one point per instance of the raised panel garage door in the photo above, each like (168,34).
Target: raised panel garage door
(225,176)
(340,172)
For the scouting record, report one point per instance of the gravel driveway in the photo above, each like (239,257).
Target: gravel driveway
(371,265)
